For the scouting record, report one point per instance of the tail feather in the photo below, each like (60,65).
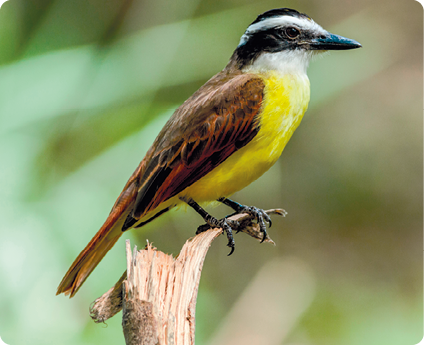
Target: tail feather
(101,243)
(87,260)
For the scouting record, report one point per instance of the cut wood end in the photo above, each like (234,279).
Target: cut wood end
(109,304)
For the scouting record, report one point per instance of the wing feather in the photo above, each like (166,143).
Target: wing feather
(200,135)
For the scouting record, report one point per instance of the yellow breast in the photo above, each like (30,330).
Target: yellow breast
(285,101)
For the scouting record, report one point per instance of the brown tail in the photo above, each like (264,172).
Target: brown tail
(101,243)
(88,259)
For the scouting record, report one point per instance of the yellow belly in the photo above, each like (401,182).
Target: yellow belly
(285,101)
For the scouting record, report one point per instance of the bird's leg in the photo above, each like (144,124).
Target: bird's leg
(225,224)
(258,213)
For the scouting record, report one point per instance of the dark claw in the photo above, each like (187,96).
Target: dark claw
(227,226)
(267,219)
(264,238)
(223,223)
(261,215)
(261,218)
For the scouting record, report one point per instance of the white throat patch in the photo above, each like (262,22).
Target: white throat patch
(284,62)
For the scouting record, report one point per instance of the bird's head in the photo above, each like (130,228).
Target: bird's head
(284,39)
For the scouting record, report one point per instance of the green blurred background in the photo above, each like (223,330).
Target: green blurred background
(86,85)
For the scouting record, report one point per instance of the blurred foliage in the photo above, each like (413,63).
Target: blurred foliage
(85,86)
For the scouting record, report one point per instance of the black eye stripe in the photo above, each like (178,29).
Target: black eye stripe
(270,40)
(280,32)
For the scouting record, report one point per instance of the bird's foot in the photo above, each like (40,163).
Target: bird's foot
(227,226)
(260,215)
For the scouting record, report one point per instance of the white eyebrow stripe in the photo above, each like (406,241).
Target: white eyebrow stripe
(302,23)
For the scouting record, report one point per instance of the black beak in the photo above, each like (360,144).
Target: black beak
(333,42)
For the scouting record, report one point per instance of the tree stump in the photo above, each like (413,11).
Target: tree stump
(158,292)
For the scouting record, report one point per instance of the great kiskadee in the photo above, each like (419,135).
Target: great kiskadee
(226,135)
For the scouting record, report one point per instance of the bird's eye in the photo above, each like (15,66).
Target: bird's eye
(292,32)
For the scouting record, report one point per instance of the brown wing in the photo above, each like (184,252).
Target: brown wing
(215,122)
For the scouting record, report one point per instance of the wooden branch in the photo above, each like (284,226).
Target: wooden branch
(158,293)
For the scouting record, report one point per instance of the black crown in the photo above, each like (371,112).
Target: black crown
(280,12)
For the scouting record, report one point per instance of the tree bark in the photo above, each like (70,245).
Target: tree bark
(158,293)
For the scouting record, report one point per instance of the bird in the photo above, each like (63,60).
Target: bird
(223,137)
